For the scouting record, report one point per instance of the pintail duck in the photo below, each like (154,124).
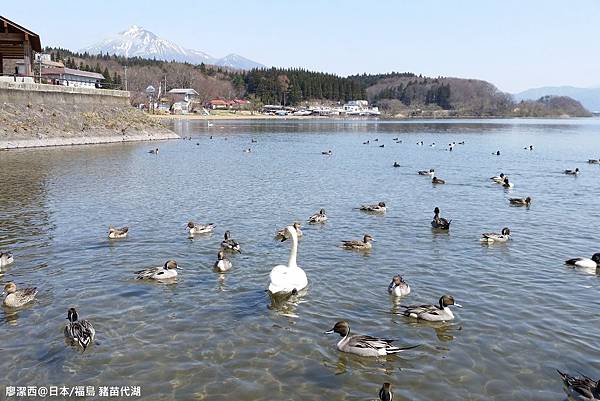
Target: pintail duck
(375,208)
(363,245)
(586,263)
(168,271)
(319,217)
(290,278)
(222,264)
(431,172)
(153,151)
(195,228)
(498,179)
(436,180)
(282,233)
(495,237)
(385,392)
(366,142)
(328,153)
(497,153)
(382,146)
(114,233)
(363,345)
(396,164)
(594,161)
(439,222)
(6,258)
(572,172)
(229,244)
(520,201)
(16,298)
(432,313)
(79,332)
(507,184)
(580,388)
(398,287)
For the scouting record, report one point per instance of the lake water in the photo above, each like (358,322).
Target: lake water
(215,337)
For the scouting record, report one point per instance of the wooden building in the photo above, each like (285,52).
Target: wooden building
(17,43)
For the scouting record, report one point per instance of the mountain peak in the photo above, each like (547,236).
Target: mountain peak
(139,42)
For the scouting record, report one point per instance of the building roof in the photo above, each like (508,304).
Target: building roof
(219,102)
(182,91)
(11,37)
(70,71)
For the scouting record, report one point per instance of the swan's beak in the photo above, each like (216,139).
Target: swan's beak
(458,305)
(329,331)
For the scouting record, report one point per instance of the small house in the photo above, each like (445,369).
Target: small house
(70,77)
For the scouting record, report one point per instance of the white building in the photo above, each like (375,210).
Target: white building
(360,108)
(70,77)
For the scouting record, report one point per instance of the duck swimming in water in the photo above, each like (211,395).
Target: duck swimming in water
(580,388)
(398,287)
(290,278)
(195,228)
(168,271)
(431,172)
(79,332)
(153,151)
(594,161)
(439,222)
(495,237)
(396,164)
(498,179)
(520,201)
(432,313)
(586,263)
(385,392)
(229,244)
(222,264)
(363,245)
(114,233)
(282,233)
(376,208)
(507,184)
(319,217)
(436,180)
(363,345)
(572,172)
(15,298)
(6,258)
(328,153)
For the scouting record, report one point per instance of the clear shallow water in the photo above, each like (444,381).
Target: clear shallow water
(214,337)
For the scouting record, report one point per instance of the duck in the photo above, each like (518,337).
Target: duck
(396,164)
(594,161)
(79,332)
(507,184)
(6,258)
(281,233)
(439,222)
(328,153)
(153,151)
(520,201)
(114,233)
(395,139)
(432,313)
(580,388)
(15,298)
(382,146)
(253,140)
(222,264)
(229,244)
(366,142)
(194,228)
(431,172)
(436,180)
(209,124)
(432,145)
(363,245)
(376,208)
(398,287)
(168,271)
(288,278)
(586,263)
(497,153)
(363,345)
(498,179)
(248,150)
(319,217)
(504,236)
(572,172)
(385,392)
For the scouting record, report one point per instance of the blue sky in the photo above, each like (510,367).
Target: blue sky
(514,44)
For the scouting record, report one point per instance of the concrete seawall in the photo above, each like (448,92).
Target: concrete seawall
(34,115)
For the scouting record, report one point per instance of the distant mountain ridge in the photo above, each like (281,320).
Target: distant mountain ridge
(588,97)
(140,42)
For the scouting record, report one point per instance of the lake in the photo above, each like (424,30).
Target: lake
(216,336)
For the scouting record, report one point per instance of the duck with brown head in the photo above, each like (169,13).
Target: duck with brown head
(79,332)
(398,287)
(197,228)
(432,313)
(364,245)
(168,271)
(229,244)
(281,234)
(520,201)
(374,208)
(222,264)
(438,222)
(490,238)
(15,298)
(319,217)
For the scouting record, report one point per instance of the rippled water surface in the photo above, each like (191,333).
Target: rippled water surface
(214,337)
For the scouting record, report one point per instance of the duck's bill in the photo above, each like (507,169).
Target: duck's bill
(458,305)
(329,331)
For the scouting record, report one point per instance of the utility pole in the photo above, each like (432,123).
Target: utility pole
(125,77)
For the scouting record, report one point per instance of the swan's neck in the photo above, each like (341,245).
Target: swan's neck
(294,251)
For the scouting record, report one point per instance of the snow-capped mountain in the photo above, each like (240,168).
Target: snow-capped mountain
(139,42)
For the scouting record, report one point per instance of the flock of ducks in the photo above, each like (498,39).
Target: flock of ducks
(290,279)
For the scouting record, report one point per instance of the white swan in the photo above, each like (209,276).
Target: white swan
(288,278)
